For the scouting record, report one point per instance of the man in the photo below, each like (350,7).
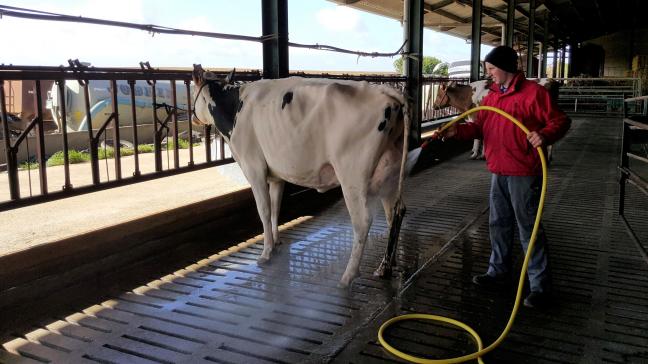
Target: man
(516,168)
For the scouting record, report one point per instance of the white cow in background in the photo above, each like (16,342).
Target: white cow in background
(317,133)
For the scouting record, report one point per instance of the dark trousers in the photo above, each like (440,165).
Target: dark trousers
(515,199)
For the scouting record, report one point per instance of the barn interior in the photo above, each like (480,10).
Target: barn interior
(182,284)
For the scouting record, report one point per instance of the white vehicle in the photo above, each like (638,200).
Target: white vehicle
(101,102)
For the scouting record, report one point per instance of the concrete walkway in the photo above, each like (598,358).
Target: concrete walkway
(31,226)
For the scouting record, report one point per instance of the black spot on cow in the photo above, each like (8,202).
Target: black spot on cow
(287,99)
(240,106)
(382,125)
(387,112)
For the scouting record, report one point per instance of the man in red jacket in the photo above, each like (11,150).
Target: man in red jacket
(516,168)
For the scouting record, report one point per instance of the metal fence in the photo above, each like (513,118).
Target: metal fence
(634,148)
(130,94)
(602,96)
(139,108)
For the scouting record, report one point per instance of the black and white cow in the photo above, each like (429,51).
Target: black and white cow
(317,133)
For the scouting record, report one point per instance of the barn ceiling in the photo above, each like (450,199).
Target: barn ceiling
(568,20)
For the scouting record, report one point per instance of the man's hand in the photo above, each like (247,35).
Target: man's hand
(448,133)
(536,139)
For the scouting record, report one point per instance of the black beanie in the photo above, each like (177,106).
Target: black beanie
(504,58)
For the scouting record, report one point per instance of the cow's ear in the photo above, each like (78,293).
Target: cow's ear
(230,77)
(197,74)
(442,86)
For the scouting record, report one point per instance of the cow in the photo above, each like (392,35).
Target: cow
(463,98)
(317,133)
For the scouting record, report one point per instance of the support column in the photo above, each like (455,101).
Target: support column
(274,18)
(510,22)
(545,47)
(414,66)
(475,45)
(562,61)
(554,69)
(570,69)
(530,39)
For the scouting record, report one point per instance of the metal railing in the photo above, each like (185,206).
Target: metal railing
(634,147)
(125,100)
(602,96)
(117,119)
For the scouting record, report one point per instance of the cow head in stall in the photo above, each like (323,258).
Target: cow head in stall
(317,133)
(462,97)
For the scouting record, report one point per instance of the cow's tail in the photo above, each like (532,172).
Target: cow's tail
(406,163)
(398,210)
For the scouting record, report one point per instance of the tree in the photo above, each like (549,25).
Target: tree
(429,63)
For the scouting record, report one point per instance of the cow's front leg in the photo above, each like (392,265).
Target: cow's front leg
(276,193)
(476,149)
(261,193)
(361,220)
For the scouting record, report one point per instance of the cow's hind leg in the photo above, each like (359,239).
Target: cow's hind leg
(276,193)
(356,201)
(394,211)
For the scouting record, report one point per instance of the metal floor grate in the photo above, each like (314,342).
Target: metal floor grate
(226,309)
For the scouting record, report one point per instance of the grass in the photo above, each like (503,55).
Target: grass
(75,157)
(57,159)
(182,144)
(28,165)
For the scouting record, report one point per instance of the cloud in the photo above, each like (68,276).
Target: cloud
(340,19)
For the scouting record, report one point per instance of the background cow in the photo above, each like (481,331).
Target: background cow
(464,98)
(317,133)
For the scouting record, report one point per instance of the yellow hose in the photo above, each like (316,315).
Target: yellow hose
(480,349)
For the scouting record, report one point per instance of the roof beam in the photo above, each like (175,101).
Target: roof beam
(494,14)
(442,4)
(561,23)
(451,16)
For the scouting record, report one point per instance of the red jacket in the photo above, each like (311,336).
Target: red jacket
(506,148)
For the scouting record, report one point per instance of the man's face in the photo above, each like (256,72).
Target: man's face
(498,76)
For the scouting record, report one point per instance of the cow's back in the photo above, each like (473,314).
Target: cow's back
(303,125)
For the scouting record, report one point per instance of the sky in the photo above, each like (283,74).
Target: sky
(49,43)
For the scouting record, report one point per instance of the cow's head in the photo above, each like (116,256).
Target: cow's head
(216,100)
(441,100)
(454,94)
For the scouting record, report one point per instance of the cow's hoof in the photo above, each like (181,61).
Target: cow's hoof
(263,260)
(346,280)
(384,270)
(342,285)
